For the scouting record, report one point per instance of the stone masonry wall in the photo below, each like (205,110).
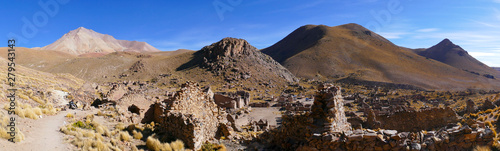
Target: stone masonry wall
(192,116)
(418,120)
(328,110)
(299,132)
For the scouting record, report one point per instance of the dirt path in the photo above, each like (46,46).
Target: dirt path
(41,135)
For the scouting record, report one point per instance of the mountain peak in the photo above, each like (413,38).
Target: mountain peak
(446,41)
(81,29)
(228,47)
(353,26)
(83,40)
(449,53)
(447,45)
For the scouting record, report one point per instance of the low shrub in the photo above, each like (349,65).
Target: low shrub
(137,135)
(124,136)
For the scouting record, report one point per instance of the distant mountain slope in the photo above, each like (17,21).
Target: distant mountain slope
(83,41)
(353,52)
(453,55)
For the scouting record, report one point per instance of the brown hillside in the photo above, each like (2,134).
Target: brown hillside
(96,67)
(455,56)
(170,53)
(39,60)
(352,51)
(237,65)
(35,87)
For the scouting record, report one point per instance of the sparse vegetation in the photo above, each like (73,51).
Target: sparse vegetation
(482,148)
(124,136)
(213,147)
(137,135)
(155,145)
(3,129)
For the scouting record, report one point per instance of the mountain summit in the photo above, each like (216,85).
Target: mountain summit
(83,41)
(449,53)
(352,52)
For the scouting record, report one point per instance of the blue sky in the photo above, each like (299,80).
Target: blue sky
(171,25)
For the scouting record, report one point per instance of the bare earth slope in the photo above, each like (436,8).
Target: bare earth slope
(455,56)
(82,41)
(354,52)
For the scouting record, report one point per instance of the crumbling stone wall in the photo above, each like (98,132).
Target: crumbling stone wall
(328,110)
(193,117)
(225,101)
(299,132)
(453,138)
(235,100)
(413,121)
(326,116)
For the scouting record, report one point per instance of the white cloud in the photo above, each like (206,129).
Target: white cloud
(483,54)
(496,1)
(392,35)
(428,30)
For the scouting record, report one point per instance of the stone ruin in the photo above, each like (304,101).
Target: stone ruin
(326,128)
(328,109)
(235,100)
(413,121)
(326,117)
(191,116)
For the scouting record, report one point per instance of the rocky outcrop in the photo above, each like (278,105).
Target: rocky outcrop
(137,66)
(236,59)
(471,106)
(193,117)
(488,105)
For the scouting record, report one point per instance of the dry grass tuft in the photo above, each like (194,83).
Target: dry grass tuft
(155,145)
(100,129)
(213,147)
(124,136)
(120,126)
(482,148)
(177,145)
(37,111)
(69,115)
(137,135)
